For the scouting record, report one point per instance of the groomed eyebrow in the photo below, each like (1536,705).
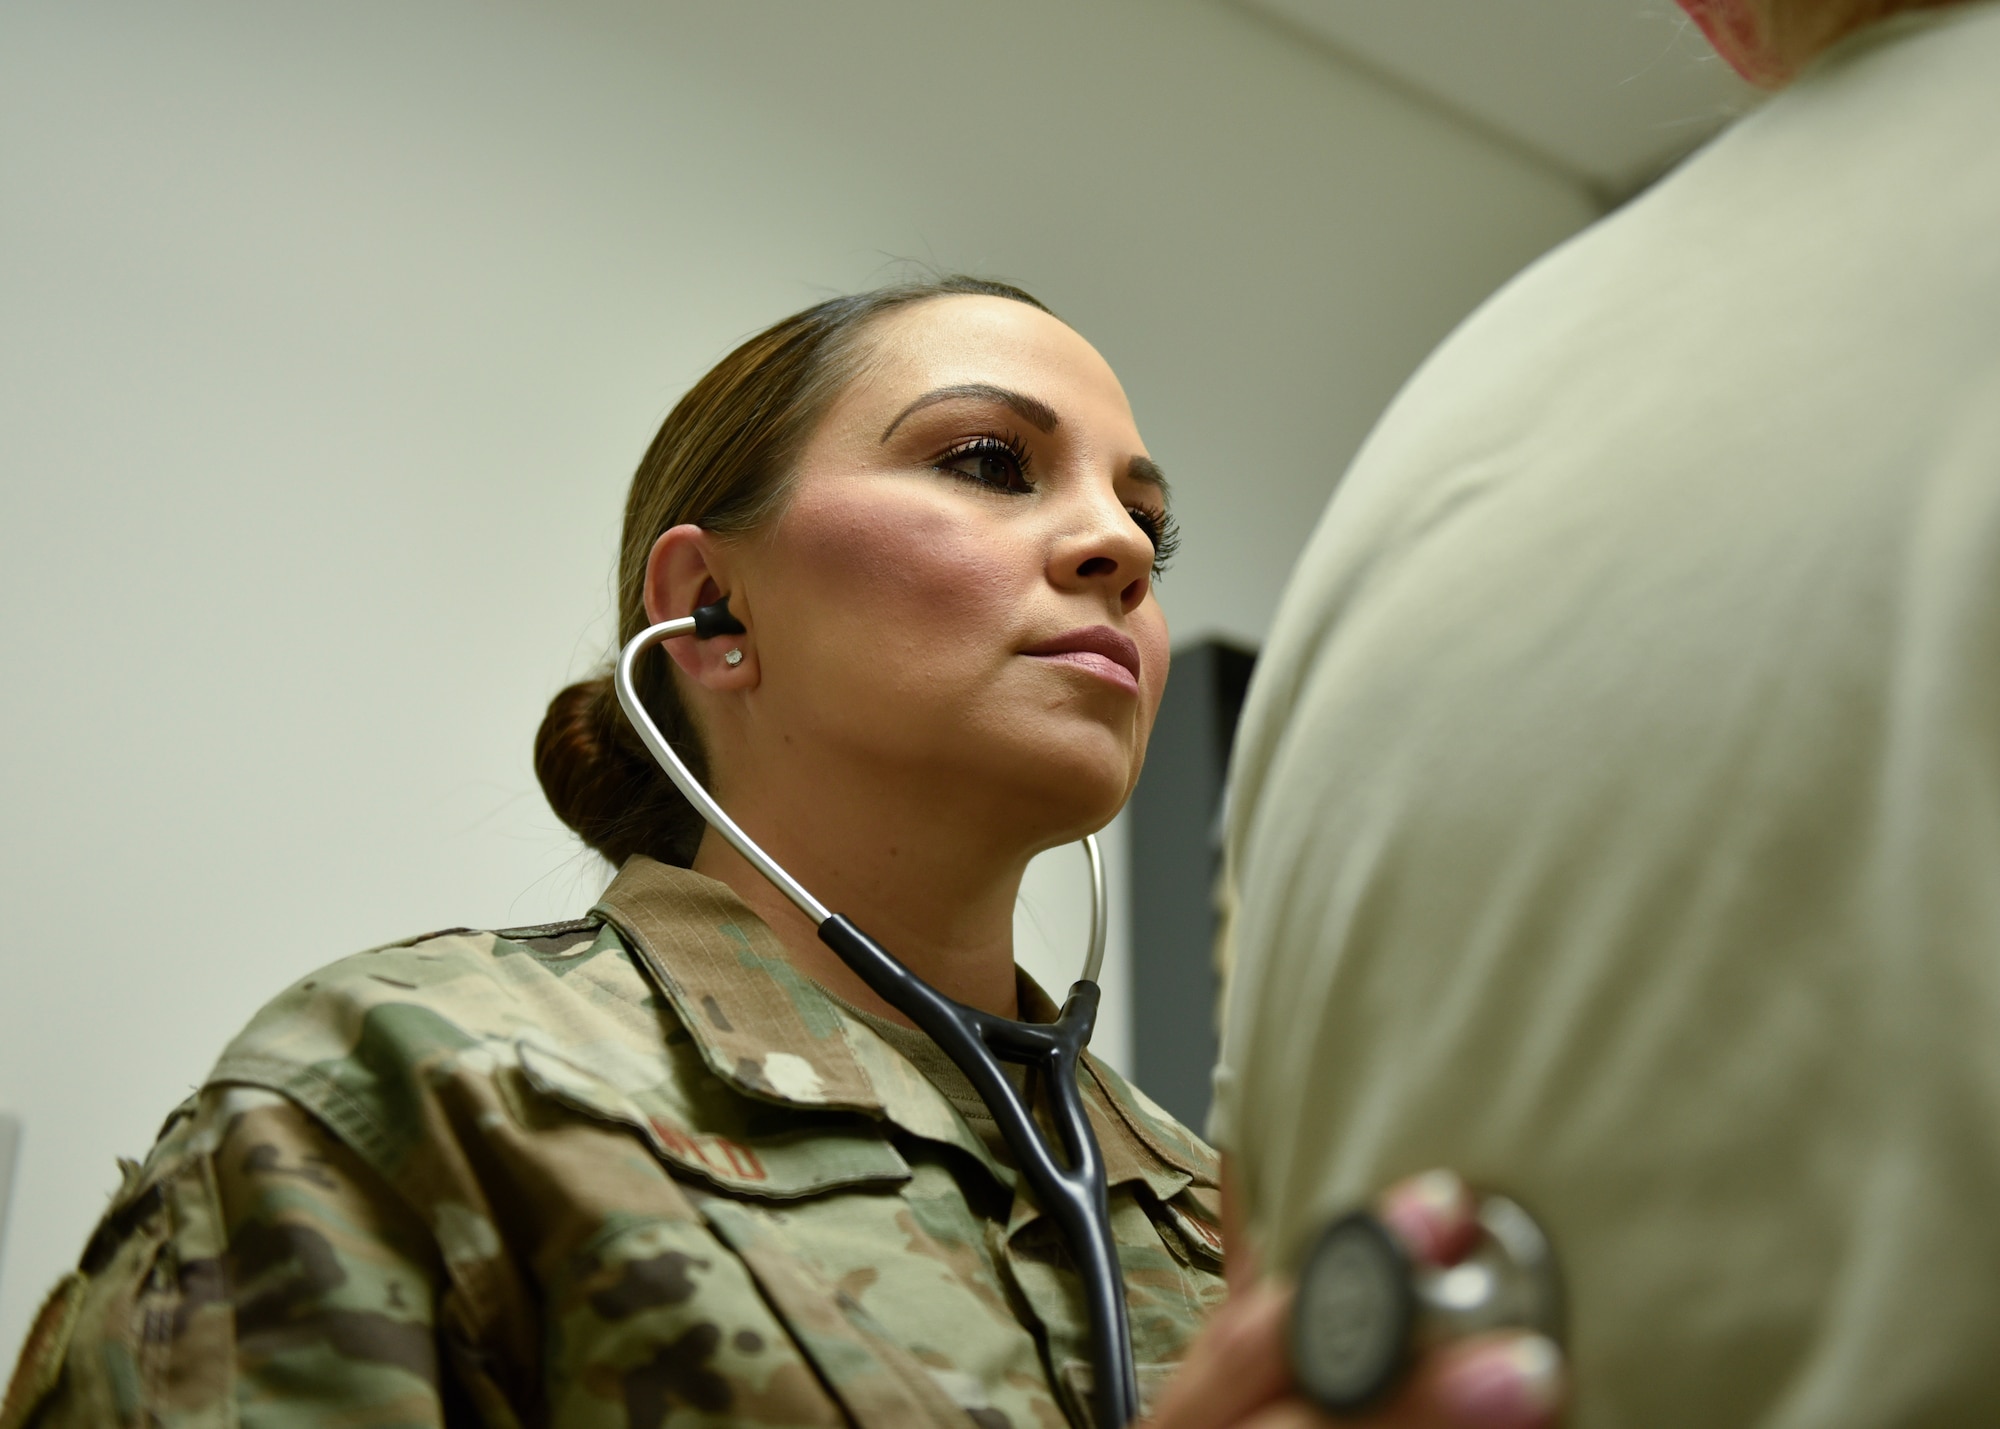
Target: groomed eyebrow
(1146,472)
(1036,413)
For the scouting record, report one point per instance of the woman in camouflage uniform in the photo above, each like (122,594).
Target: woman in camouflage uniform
(670,1162)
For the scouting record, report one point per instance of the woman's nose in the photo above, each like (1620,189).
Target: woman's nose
(1103,547)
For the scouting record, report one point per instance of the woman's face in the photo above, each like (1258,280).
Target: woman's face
(958,595)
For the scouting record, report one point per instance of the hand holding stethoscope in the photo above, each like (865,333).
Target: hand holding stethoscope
(1471,1271)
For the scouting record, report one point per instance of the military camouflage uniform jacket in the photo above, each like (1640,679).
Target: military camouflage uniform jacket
(631,1170)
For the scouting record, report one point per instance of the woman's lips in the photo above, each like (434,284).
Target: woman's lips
(1111,656)
(1108,670)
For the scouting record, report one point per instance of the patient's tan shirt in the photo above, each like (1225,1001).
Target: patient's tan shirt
(1617,814)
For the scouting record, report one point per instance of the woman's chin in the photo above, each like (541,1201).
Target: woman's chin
(1063,811)
(1042,785)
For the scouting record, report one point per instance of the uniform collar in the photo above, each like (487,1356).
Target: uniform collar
(772,1033)
(762,1026)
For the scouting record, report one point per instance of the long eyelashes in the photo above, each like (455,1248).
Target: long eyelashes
(1163,531)
(999,461)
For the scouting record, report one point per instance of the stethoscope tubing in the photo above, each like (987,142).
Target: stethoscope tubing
(1075,1195)
(684,780)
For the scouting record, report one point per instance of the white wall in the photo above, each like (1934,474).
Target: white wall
(329,336)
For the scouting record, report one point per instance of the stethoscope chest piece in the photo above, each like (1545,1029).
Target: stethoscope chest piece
(1364,1309)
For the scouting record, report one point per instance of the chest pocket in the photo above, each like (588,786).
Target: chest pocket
(743,1187)
(877,1379)
(1078,1381)
(791,1155)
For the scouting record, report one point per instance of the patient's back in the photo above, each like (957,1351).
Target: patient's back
(1618,806)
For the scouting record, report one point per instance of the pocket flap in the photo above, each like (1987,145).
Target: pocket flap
(818,1152)
(1200,1235)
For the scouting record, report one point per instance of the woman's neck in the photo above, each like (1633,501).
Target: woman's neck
(939,899)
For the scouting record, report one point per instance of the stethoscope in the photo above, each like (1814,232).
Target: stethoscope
(1070,1189)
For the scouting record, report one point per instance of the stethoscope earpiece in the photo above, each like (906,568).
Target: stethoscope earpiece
(713,620)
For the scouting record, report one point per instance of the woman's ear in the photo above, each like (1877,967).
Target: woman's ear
(688,568)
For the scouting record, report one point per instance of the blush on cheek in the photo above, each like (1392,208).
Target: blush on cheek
(898,607)
(913,567)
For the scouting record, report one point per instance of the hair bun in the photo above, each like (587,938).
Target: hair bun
(601,781)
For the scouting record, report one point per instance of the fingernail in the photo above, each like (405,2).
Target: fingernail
(1514,1385)
(1433,1214)
(1439,1191)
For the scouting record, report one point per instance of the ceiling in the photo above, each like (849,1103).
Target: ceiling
(1610,91)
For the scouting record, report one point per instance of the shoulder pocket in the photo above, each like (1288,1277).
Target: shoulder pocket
(40,1365)
(142,1332)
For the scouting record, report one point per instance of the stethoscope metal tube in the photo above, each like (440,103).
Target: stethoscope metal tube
(1071,1189)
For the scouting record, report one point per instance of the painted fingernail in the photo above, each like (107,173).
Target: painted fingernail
(1433,1215)
(1512,1385)
(1440,1191)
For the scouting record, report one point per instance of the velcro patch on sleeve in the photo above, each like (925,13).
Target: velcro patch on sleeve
(43,1351)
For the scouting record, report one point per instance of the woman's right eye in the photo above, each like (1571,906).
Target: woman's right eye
(989,462)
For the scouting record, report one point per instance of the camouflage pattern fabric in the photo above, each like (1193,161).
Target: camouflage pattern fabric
(632,1170)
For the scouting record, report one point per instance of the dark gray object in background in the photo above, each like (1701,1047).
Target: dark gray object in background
(1176,855)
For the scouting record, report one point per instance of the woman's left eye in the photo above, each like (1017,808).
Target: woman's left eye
(990,462)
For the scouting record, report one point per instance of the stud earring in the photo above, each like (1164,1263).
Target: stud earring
(733,657)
